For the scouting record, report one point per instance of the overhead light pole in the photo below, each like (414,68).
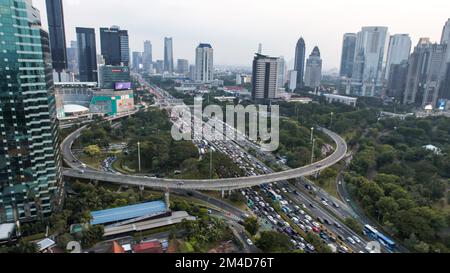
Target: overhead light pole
(139,155)
(312,150)
(312,134)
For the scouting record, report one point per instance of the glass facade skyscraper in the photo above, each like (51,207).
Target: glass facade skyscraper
(300,57)
(87,54)
(348,55)
(30,171)
(55,16)
(115,46)
(168,55)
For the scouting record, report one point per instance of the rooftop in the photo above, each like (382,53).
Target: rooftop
(128,212)
(6,231)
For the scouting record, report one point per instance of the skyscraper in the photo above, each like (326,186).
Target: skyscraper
(300,55)
(348,55)
(397,80)
(183,66)
(137,60)
(72,57)
(370,52)
(265,72)
(30,169)
(204,63)
(445,38)
(168,55)
(115,46)
(398,52)
(147,56)
(281,78)
(87,54)
(425,73)
(313,73)
(55,16)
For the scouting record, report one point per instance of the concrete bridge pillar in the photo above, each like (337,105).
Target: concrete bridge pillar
(223,193)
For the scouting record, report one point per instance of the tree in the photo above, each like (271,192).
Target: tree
(274,242)
(92,150)
(91,236)
(251,224)
(237,197)
(354,225)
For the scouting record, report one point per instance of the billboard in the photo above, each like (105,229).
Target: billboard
(122,86)
(442,104)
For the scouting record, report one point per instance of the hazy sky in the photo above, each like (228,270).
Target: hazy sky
(235,27)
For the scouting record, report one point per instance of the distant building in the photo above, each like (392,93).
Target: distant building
(204,63)
(148,247)
(110,75)
(445,38)
(299,65)
(115,46)
(292,80)
(168,55)
(183,66)
(147,56)
(398,52)
(397,80)
(72,58)
(265,72)
(370,52)
(112,102)
(313,73)
(445,83)
(348,55)
(87,54)
(137,61)
(159,66)
(281,78)
(331,98)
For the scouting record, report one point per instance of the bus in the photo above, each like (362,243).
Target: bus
(371,232)
(275,196)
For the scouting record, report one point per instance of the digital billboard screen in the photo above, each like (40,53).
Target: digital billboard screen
(123,86)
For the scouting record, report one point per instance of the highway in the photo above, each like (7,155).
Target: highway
(77,171)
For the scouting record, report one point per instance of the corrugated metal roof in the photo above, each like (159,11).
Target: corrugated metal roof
(128,212)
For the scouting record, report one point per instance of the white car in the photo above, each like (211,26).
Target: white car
(249,242)
(307,217)
(350,239)
(302,212)
(317,225)
(356,239)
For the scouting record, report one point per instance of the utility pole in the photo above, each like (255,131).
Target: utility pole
(312,151)
(139,155)
(210,163)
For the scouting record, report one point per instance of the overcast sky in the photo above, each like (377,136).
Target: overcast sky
(235,27)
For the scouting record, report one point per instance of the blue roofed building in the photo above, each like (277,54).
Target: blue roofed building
(134,213)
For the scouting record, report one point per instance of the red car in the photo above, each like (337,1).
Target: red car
(316,230)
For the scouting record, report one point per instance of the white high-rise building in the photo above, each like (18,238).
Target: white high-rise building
(168,55)
(313,72)
(204,63)
(370,58)
(445,39)
(281,79)
(292,80)
(398,52)
(265,74)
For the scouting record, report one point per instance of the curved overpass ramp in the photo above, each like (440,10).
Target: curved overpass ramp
(214,184)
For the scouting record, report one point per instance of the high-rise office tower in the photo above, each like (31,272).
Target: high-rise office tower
(87,54)
(55,16)
(168,55)
(192,72)
(137,60)
(313,73)
(348,55)
(265,72)
(183,66)
(204,63)
(398,52)
(159,66)
(397,80)
(425,73)
(300,55)
(72,58)
(370,56)
(281,78)
(445,84)
(147,56)
(445,38)
(115,46)
(30,169)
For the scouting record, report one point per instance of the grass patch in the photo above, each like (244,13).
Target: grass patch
(93,162)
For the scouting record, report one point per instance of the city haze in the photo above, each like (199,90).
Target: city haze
(235,27)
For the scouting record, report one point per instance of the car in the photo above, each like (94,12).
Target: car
(81,171)
(83,165)
(357,239)
(325,203)
(337,225)
(302,212)
(180,183)
(311,205)
(317,225)
(336,205)
(309,218)
(327,222)
(350,240)
(315,229)
(249,242)
(310,247)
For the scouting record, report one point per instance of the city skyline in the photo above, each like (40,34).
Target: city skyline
(229,52)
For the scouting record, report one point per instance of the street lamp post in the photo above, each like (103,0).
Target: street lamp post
(139,155)
(331,120)
(312,151)
(312,134)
